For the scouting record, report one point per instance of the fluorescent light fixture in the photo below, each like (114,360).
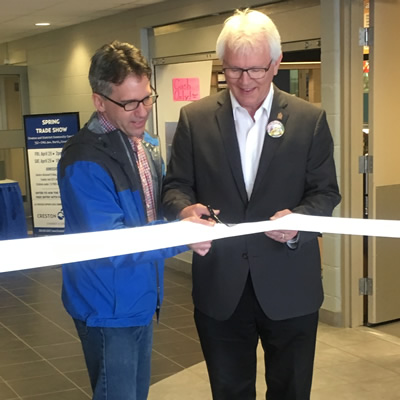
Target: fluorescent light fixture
(42,24)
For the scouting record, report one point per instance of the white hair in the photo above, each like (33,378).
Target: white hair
(248,30)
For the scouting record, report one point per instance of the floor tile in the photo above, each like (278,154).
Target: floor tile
(80,378)
(180,296)
(391,328)
(39,326)
(6,393)
(59,350)
(187,360)
(359,371)
(182,386)
(182,321)
(18,356)
(69,364)
(18,320)
(333,357)
(178,348)
(39,295)
(173,311)
(41,385)
(54,336)
(373,349)
(169,336)
(15,311)
(189,331)
(27,370)
(8,300)
(73,394)
(8,341)
(165,366)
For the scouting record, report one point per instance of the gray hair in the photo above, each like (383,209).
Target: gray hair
(112,63)
(246,30)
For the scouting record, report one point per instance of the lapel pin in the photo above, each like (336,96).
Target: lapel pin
(275,128)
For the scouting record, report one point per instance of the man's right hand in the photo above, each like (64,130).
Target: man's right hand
(197,211)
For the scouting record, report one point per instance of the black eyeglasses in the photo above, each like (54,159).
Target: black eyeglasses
(254,73)
(134,104)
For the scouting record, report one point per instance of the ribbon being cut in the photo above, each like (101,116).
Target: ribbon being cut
(36,252)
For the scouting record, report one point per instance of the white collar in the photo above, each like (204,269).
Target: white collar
(266,105)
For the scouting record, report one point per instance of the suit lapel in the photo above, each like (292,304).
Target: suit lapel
(270,146)
(226,127)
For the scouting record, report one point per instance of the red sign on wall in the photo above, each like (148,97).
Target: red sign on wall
(186,89)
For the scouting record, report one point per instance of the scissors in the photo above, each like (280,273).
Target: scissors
(213,215)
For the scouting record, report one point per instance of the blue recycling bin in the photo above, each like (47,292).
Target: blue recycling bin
(12,215)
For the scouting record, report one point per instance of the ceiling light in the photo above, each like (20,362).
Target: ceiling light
(42,24)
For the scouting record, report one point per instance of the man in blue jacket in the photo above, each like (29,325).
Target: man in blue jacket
(110,177)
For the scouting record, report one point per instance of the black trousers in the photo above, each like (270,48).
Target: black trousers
(229,349)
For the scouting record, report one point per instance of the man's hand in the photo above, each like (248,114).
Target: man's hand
(194,213)
(196,210)
(281,236)
(201,248)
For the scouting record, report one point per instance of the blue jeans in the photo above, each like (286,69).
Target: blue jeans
(118,360)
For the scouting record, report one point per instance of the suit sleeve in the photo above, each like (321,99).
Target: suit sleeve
(321,192)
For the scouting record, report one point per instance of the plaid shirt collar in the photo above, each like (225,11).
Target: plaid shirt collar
(105,123)
(108,126)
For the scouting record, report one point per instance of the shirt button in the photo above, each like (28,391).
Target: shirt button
(245,256)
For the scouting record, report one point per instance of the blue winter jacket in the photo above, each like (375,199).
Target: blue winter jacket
(100,190)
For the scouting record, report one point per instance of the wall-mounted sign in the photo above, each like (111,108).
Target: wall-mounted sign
(45,136)
(186,89)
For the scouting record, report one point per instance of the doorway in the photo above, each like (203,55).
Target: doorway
(14,104)
(383,181)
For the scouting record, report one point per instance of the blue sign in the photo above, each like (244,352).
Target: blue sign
(45,136)
(50,130)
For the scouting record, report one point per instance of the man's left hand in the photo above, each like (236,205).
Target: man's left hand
(281,236)
(201,248)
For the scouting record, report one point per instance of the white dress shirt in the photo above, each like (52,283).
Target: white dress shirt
(250,135)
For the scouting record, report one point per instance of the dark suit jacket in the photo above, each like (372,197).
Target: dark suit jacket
(296,171)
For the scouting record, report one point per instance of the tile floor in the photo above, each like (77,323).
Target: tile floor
(40,354)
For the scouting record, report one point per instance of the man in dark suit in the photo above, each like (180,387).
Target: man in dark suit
(254,153)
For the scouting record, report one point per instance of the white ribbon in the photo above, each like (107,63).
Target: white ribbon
(36,252)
